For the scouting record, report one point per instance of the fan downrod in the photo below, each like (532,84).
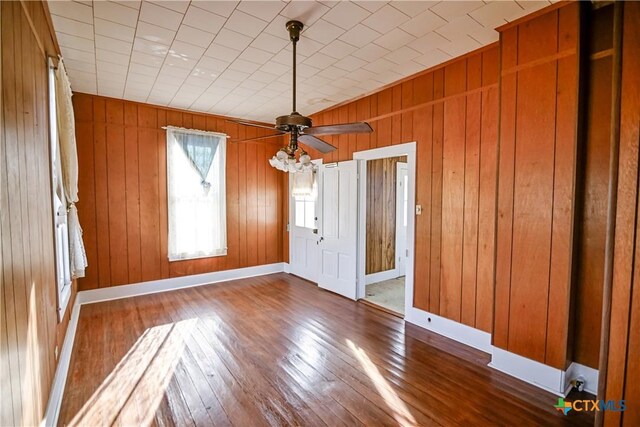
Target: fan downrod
(294,121)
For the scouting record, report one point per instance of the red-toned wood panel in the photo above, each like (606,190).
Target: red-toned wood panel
(487,209)
(564,190)
(453,187)
(149,206)
(436,192)
(508,95)
(591,223)
(532,209)
(622,368)
(422,131)
(470,211)
(29,325)
(118,232)
(537,185)
(122,153)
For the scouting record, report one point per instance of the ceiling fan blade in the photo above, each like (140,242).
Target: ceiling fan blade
(358,127)
(275,135)
(240,122)
(316,143)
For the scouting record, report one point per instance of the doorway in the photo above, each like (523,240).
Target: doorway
(385,255)
(323,247)
(333,254)
(304,223)
(386,226)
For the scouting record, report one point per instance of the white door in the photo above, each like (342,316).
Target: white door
(402,198)
(338,231)
(303,233)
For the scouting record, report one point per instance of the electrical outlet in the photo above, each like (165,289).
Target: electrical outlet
(418,209)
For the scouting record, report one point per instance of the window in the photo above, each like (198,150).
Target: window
(61,221)
(304,192)
(196,194)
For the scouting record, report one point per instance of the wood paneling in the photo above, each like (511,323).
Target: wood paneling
(123,193)
(623,369)
(247,353)
(451,112)
(538,145)
(593,187)
(381,214)
(30,333)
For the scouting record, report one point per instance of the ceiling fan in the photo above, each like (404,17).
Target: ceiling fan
(299,127)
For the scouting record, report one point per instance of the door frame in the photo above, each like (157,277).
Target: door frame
(291,221)
(399,205)
(407,149)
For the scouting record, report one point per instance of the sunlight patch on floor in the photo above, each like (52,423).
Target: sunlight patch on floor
(132,392)
(400,411)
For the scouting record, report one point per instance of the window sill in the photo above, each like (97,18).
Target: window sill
(197,257)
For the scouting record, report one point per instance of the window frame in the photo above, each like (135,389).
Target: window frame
(223,185)
(61,245)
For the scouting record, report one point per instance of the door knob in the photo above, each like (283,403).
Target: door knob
(319,241)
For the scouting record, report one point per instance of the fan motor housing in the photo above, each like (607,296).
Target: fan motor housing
(286,123)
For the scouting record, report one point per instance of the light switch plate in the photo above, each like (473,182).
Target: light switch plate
(418,209)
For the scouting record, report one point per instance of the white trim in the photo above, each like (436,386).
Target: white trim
(400,251)
(543,376)
(126,291)
(164,285)
(195,131)
(407,149)
(60,378)
(456,331)
(590,376)
(381,276)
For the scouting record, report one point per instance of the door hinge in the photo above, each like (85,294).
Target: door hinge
(406,253)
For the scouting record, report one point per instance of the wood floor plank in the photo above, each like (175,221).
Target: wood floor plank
(276,350)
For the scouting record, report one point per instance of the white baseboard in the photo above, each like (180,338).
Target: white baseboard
(590,376)
(60,378)
(381,276)
(456,331)
(543,376)
(164,285)
(287,267)
(126,291)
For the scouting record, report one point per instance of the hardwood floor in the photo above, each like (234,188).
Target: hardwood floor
(276,350)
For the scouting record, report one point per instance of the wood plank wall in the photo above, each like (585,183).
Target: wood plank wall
(538,142)
(123,193)
(381,214)
(593,188)
(451,112)
(623,368)
(29,328)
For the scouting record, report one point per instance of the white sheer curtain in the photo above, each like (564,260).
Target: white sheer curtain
(68,162)
(196,194)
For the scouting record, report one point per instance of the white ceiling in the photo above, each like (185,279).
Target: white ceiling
(234,58)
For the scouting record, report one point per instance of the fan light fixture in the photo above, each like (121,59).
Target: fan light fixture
(299,127)
(285,162)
